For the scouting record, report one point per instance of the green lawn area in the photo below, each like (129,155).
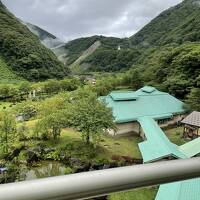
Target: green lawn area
(6,105)
(107,147)
(138,194)
(175,135)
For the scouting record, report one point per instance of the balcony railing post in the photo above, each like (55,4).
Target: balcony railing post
(98,183)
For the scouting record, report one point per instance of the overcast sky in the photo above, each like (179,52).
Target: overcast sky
(69,19)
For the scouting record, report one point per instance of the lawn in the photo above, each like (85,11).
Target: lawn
(5,106)
(138,194)
(175,135)
(108,146)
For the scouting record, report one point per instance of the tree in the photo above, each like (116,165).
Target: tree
(193,99)
(91,117)
(136,80)
(52,87)
(50,126)
(7,129)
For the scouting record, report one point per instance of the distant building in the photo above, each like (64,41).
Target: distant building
(129,107)
(119,48)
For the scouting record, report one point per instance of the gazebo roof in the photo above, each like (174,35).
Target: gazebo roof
(193,119)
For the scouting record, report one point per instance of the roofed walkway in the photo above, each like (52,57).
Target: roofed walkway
(158,146)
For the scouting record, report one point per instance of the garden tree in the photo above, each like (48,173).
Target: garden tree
(193,99)
(27,109)
(7,130)
(50,126)
(91,117)
(52,105)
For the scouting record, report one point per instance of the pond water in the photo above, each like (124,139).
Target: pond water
(43,170)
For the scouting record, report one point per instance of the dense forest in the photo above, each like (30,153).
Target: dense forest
(24,53)
(178,24)
(165,53)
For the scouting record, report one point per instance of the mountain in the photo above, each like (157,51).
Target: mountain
(178,24)
(90,53)
(48,39)
(170,46)
(164,51)
(22,51)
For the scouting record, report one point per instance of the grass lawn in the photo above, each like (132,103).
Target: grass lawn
(175,135)
(6,105)
(138,194)
(107,147)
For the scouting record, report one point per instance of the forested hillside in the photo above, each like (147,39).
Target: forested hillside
(78,46)
(6,74)
(23,52)
(175,25)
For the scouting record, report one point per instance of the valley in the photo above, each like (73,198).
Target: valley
(53,120)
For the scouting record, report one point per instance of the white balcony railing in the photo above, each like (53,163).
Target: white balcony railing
(103,182)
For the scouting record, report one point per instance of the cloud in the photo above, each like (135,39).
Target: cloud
(69,19)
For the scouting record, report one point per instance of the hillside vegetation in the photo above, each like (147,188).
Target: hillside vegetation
(178,24)
(173,27)
(5,73)
(24,53)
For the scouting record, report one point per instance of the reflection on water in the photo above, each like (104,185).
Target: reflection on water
(45,169)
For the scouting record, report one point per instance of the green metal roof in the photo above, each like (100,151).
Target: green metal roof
(123,96)
(191,148)
(158,105)
(182,190)
(157,145)
(148,89)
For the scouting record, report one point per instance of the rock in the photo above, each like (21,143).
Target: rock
(75,161)
(38,149)
(96,166)
(83,168)
(14,153)
(106,166)
(31,157)
(48,150)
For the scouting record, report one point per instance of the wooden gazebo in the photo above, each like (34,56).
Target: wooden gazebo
(191,125)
